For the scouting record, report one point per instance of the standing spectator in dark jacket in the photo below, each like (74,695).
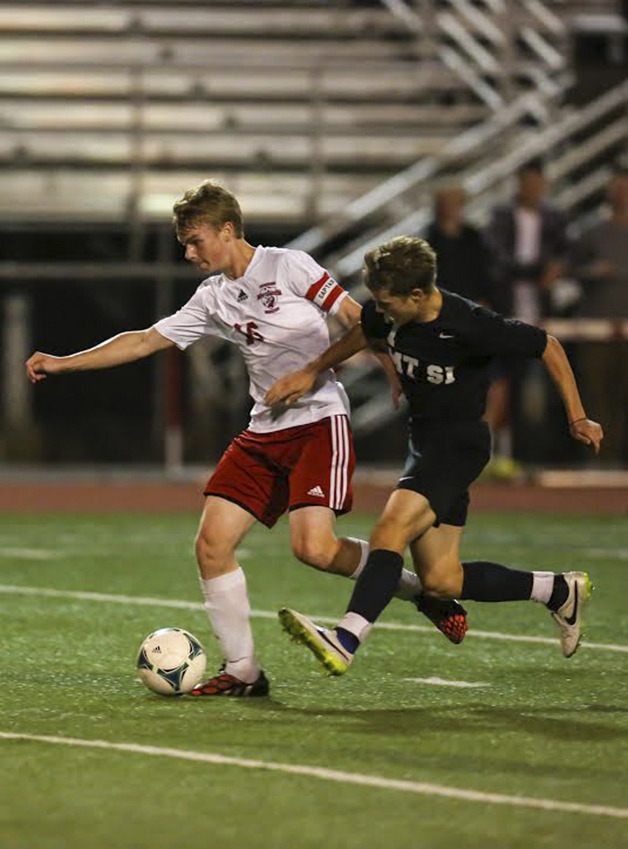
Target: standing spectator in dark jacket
(601,264)
(529,242)
(464,265)
(529,239)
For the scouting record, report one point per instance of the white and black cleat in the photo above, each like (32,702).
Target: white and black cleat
(322,642)
(569,616)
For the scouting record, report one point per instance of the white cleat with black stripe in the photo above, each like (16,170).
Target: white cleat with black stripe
(568,617)
(322,642)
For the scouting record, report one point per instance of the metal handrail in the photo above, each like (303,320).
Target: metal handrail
(416,174)
(476,181)
(550,90)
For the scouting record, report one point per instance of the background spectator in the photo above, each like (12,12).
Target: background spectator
(528,239)
(464,262)
(601,265)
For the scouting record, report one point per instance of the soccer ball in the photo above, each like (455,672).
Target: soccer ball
(171,661)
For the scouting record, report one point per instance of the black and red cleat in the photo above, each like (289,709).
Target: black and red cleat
(448,615)
(224,684)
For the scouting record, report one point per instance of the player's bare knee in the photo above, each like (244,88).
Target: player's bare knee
(211,552)
(392,534)
(314,553)
(445,581)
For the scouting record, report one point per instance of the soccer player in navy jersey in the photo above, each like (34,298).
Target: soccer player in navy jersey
(442,346)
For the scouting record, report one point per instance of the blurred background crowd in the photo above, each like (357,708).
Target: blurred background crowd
(525,265)
(496,129)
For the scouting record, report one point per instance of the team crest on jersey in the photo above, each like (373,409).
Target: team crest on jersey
(268,294)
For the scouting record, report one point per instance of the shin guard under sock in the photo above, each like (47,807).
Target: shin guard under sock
(485,581)
(377,584)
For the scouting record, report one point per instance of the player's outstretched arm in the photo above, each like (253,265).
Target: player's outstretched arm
(293,386)
(123,348)
(581,428)
(348,313)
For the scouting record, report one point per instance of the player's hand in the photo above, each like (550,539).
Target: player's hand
(587,431)
(290,388)
(39,365)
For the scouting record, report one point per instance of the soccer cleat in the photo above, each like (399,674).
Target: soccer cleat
(224,684)
(448,615)
(568,617)
(322,642)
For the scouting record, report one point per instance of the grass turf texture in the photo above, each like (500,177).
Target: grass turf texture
(544,727)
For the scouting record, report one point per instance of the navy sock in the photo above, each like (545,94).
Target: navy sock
(377,584)
(559,593)
(493,582)
(347,640)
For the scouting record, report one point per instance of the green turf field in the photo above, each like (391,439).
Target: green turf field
(539,744)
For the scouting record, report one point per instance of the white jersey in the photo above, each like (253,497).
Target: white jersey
(275,314)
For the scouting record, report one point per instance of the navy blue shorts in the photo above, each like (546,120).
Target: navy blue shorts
(444,458)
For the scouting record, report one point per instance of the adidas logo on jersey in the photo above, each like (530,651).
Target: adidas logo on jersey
(317,491)
(242,296)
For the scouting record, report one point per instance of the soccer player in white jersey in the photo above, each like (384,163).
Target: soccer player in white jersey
(272,303)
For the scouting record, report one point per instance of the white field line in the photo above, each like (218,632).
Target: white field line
(29,553)
(416,787)
(444,682)
(47,592)
(606,553)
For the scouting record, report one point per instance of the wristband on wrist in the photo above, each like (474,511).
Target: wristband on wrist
(575,421)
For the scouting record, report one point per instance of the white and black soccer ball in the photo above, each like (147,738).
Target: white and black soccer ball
(171,661)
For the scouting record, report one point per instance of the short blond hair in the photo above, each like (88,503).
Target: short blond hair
(210,204)
(401,265)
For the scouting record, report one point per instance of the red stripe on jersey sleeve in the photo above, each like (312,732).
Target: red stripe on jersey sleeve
(315,288)
(331,299)
(325,292)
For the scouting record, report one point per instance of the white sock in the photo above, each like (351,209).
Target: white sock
(229,611)
(409,583)
(356,625)
(542,586)
(364,555)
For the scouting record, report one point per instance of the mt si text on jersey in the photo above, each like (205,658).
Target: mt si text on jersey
(408,367)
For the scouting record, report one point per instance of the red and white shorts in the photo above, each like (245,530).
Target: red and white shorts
(269,473)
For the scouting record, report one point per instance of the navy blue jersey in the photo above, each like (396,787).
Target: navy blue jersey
(444,364)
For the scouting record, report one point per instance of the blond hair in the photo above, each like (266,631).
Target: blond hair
(210,204)
(401,265)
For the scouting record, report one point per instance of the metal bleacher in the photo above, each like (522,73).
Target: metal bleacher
(331,120)
(110,109)
(104,107)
